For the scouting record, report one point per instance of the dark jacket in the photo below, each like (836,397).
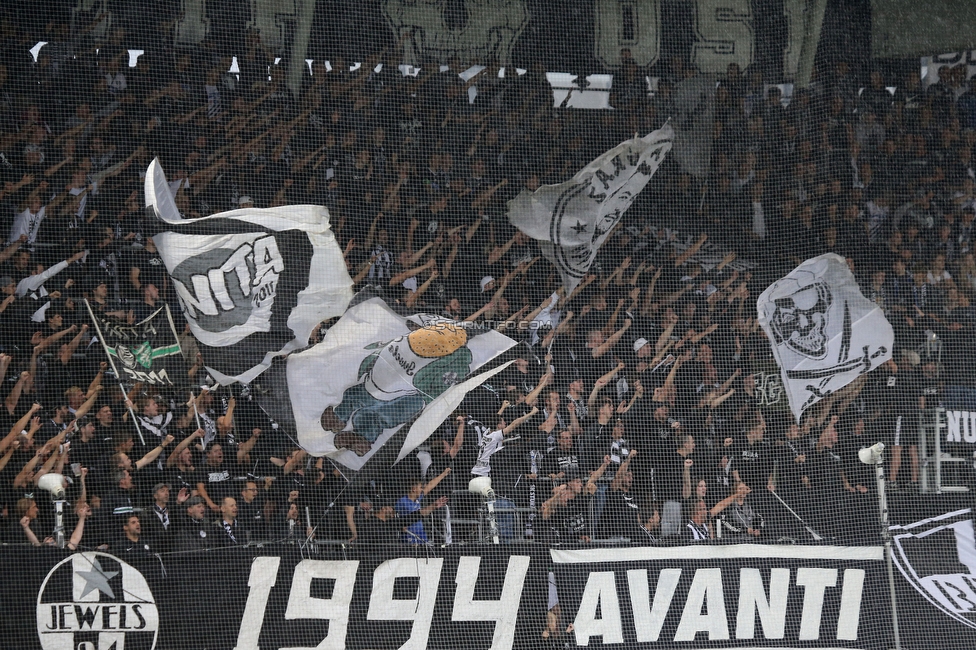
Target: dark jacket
(194,535)
(161,537)
(228,535)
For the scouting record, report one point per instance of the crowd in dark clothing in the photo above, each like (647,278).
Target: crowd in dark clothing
(640,406)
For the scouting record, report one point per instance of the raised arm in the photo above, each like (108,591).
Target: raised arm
(68,351)
(579,287)
(295,462)
(624,466)
(415,296)
(186,442)
(563,324)
(31,537)
(54,338)
(5,458)
(517,422)
(686,479)
(19,426)
(669,380)
(512,320)
(226,421)
(54,458)
(638,393)
(665,338)
(244,449)
(612,340)
(591,486)
(88,403)
(413,259)
(406,275)
(681,259)
(83,511)
(32,282)
(601,383)
(9,251)
(741,488)
(458,438)
(500,251)
(476,315)
(97,381)
(21,479)
(436,481)
(533,397)
(154,453)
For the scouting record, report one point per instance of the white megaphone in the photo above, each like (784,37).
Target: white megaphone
(53,483)
(871,455)
(481,485)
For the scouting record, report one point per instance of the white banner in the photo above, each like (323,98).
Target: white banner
(375,371)
(571,220)
(823,332)
(253,283)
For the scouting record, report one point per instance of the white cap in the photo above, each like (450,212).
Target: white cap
(639,343)
(485,281)
(244,199)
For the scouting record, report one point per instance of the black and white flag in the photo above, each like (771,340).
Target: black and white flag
(823,331)
(253,283)
(375,372)
(937,556)
(147,352)
(571,220)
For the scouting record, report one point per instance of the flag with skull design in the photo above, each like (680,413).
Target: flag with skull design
(823,331)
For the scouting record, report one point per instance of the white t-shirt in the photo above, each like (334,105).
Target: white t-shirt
(26,223)
(488,446)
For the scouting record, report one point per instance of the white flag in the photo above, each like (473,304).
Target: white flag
(375,371)
(253,283)
(571,220)
(694,123)
(823,331)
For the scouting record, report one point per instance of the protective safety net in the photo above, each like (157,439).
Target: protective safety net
(486,324)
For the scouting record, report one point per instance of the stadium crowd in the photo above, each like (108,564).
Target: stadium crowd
(643,405)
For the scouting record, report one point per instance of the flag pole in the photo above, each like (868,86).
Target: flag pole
(196,413)
(118,376)
(128,405)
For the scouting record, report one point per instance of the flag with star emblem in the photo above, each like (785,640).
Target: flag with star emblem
(571,220)
(95,600)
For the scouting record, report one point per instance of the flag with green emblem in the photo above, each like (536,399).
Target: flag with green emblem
(147,351)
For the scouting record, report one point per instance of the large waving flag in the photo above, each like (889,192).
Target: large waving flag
(253,283)
(823,331)
(376,371)
(571,220)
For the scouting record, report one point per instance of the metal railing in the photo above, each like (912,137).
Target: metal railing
(939,469)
